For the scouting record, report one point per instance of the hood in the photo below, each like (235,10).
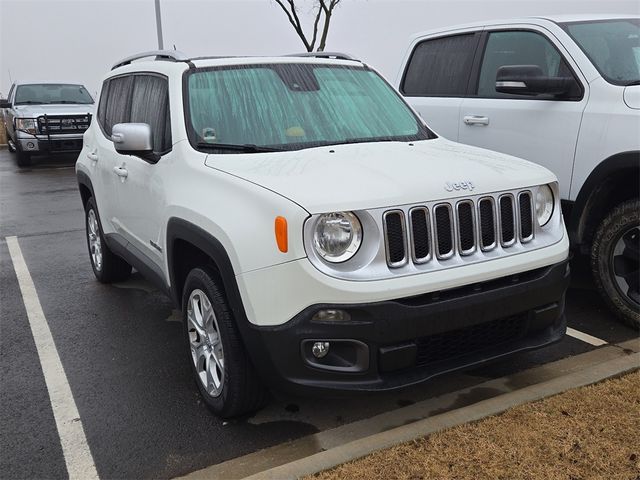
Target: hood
(34,111)
(384,174)
(632,96)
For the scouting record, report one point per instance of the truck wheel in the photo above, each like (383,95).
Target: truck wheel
(23,159)
(107,266)
(615,261)
(10,144)
(223,371)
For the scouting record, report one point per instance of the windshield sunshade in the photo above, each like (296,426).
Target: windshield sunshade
(293,106)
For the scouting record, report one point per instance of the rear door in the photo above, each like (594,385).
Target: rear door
(436,79)
(543,128)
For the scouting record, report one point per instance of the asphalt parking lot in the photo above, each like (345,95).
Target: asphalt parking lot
(122,353)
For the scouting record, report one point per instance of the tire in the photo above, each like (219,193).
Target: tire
(220,364)
(10,144)
(107,266)
(615,261)
(23,159)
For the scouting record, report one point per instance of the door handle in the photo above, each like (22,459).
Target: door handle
(475,120)
(121,172)
(93,156)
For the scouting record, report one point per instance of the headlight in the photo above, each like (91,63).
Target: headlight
(544,204)
(27,125)
(337,236)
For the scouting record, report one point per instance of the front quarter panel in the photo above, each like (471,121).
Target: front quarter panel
(237,213)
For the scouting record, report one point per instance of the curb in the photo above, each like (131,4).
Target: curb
(359,448)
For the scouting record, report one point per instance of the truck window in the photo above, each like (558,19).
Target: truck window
(518,48)
(440,67)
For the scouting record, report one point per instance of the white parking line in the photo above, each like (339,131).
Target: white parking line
(585,337)
(77,455)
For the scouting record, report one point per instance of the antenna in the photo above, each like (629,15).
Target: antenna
(10,80)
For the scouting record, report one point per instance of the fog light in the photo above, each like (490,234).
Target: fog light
(31,145)
(331,316)
(320,349)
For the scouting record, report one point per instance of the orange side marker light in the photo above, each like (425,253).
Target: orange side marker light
(281,234)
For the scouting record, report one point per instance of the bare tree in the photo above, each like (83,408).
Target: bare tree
(324,10)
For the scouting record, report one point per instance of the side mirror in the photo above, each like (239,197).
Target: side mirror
(4,103)
(529,80)
(134,139)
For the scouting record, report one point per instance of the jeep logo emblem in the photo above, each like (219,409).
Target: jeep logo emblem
(451,186)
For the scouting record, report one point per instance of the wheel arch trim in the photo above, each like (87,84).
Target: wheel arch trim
(591,191)
(179,229)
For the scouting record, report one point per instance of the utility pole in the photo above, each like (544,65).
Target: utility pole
(159,25)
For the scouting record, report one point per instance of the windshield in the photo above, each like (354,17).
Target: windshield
(613,46)
(47,93)
(295,106)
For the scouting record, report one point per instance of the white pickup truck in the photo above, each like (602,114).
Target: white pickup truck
(45,118)
(563,92)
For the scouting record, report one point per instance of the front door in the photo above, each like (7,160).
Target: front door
(542,129)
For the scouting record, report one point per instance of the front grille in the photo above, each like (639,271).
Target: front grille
(487,223)
(466,227)
(461,227)
(473,339)
(63,124)
(507,220)
(420,241)
(444,231)
(395,233)
(526,216)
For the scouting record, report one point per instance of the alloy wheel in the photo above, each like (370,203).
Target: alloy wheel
(95,243)
(205,343)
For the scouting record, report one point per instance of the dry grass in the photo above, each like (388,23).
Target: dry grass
(3,138)
(590,432)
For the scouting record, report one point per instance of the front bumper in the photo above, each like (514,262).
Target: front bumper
(396,343)
(43,144)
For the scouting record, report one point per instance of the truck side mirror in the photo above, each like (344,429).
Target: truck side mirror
(4,103)
(529,80)
(134,139)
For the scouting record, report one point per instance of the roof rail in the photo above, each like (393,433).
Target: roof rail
(171,55)
(336,55)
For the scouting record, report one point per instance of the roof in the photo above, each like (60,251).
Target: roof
(525,20)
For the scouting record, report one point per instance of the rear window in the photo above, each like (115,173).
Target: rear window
(52,93)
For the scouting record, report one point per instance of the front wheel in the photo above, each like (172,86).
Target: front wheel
(615,261)
(10,144)
(222,369)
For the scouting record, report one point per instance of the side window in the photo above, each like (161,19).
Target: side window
(104,94)
(150,105)
(118,103)
(518,48)
(440,67)
(11,91)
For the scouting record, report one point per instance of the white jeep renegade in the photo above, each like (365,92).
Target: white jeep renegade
(315,233)
(560,91)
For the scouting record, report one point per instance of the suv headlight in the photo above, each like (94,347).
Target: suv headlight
(544,204)
(27,125)
(337,236)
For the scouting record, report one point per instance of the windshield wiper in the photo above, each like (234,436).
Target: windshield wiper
(635,82)
(247,148)
(31,102)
